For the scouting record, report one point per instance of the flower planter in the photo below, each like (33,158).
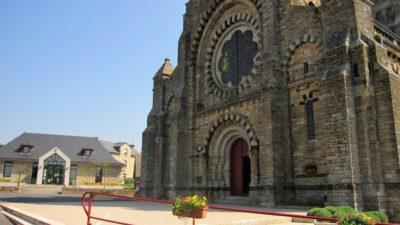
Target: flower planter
(196,213)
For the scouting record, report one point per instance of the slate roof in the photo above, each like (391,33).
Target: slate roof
(71,145)
(109,146)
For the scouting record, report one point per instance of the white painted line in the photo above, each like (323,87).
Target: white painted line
(108,214)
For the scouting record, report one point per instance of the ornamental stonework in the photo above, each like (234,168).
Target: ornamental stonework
(281,102)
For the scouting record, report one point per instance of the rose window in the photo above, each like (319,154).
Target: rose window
(236,58)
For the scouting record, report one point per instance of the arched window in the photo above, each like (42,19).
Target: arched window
(310,120)
(379,17)
(390,15)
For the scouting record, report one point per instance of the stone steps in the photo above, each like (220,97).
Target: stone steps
(22,217)
(234,200)
(14,219)
(4,219)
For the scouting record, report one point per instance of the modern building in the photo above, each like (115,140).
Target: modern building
(65,160)
(290,102)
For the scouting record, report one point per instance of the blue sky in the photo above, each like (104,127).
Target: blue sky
(83,67)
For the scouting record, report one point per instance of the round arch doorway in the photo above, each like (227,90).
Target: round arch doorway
(240,168)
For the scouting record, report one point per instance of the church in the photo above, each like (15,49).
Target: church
(289,102)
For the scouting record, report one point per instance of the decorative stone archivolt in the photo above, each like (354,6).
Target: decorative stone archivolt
(206,18)
(233,117)
(294,46)
(227,71)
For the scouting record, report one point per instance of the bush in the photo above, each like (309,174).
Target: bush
(341,211)
(319,212)
(128,181)
(4,179)
(373,216)
(347,209)
(331,209)
(381,215)
(340,214)
(356,219)
(129,186)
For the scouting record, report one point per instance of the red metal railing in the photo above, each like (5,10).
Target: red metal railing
(88,210)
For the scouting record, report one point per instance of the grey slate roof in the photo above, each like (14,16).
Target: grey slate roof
(71,145)
(109,146)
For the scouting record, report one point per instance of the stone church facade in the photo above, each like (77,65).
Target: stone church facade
(290,102)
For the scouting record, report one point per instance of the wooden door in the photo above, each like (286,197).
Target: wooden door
(240,173)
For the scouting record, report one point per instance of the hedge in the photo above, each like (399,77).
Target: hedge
(319,212)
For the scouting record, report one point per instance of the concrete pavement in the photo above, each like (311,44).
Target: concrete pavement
(68,210)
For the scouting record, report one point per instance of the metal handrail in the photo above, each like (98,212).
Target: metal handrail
(91,194)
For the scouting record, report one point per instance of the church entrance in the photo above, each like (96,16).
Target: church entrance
(240,168)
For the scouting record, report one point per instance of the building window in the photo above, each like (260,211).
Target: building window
(73,173)
(7,169)
(355,68)
(379,17)
(99,174)
(26,149)
(305,67)
(87,152)
(390,16)
(310,120)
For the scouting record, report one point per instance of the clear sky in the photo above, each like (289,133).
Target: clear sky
(83,67)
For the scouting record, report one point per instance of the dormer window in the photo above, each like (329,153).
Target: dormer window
(26,149)
(87,153)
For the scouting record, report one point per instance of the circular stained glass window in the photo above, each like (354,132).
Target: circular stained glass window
(235,58)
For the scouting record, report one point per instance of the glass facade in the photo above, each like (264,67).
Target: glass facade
(54,169)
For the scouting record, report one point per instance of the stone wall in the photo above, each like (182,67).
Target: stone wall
(21,172)
(125,156)
(318,54)
(87,173)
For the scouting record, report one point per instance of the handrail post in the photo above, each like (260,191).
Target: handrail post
(89,208)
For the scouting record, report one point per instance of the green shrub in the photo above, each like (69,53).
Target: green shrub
(319,212)
(4,179)
(347,209)
(373,216)
(381,215)
(341,211)
(340,214)
(356,219)
(331,209)
(128,181)
(129,186)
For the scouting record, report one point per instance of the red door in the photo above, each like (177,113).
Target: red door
(240,170)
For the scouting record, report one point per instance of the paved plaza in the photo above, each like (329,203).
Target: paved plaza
(67,209)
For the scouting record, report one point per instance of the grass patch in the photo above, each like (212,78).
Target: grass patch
(129,186)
